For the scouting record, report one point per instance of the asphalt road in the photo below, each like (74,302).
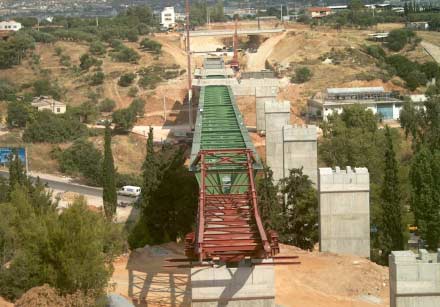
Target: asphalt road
(72,187)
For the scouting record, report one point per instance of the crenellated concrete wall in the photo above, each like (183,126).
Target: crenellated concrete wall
(301,150)
(414,279)
(344,211)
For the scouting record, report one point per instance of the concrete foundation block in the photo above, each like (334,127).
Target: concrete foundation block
(244,286)
(414,279)
(344,211)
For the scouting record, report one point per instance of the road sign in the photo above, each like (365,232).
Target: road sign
(6,152)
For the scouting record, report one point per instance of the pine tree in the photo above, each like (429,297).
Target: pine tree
(109,195)
(300,210)
(391,232)
(425,195)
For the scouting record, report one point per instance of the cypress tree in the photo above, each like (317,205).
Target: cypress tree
(425,195)
(391,233)
(150,171)
(17,173)
(109,195)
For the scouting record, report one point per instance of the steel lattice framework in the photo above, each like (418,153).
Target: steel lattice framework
(229,226)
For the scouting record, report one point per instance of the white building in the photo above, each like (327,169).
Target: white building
(10,25)
(168,17)
(47,103)
(386,104)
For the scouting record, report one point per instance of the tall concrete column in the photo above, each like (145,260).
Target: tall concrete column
(277,115)
(414,279)
(263,94)
(344,211)
(301,150)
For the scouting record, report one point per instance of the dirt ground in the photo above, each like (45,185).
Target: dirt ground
(321,280)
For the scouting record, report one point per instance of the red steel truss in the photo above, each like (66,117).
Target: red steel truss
(229,226)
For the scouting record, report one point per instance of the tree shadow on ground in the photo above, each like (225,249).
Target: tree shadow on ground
(151,284)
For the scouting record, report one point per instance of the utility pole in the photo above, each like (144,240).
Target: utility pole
(188,52)
(164,109)
(281,5)
(258,14)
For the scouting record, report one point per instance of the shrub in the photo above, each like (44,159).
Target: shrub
(7,90)
(82,158)
(107,105)
(87,61)
(133,91)
(124,119)
(132,37)
(398,38)
(18,114)
(97,48)
(97,78)
(125,54)
(44,87)
(51,128)
(126,79)
(150,45)
(375,51)
(302,75)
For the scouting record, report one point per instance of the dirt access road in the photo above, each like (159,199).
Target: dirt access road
(257,61)
(432,50)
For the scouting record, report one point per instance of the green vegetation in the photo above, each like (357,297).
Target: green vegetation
(398,38)
(391,235)
(109,195)
(169,197)
(124,119)
(98,48)
(152,75)
(107,105)
(14,50)
(126,79)
(82,159)
(38,245)
(302,75)
(87,61)
(413,73)
(51,128)
(151,46)
(97,78)
(123,53)
(19,112)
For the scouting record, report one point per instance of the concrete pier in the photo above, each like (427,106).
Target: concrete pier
(263,94)
(414,279)
(277,115)
(301,150)
(243,286)
(344,211)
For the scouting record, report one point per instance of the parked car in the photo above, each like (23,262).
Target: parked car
(130,190)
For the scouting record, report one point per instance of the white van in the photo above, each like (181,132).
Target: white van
(129,190)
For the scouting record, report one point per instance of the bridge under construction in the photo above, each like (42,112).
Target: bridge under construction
(230,253)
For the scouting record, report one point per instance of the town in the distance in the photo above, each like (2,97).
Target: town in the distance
(220,153)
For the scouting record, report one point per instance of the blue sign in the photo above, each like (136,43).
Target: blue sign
(6,152)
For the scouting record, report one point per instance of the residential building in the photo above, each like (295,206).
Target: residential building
(319,12)
(168,17)
(47,103)
(10,25)
(376,99)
